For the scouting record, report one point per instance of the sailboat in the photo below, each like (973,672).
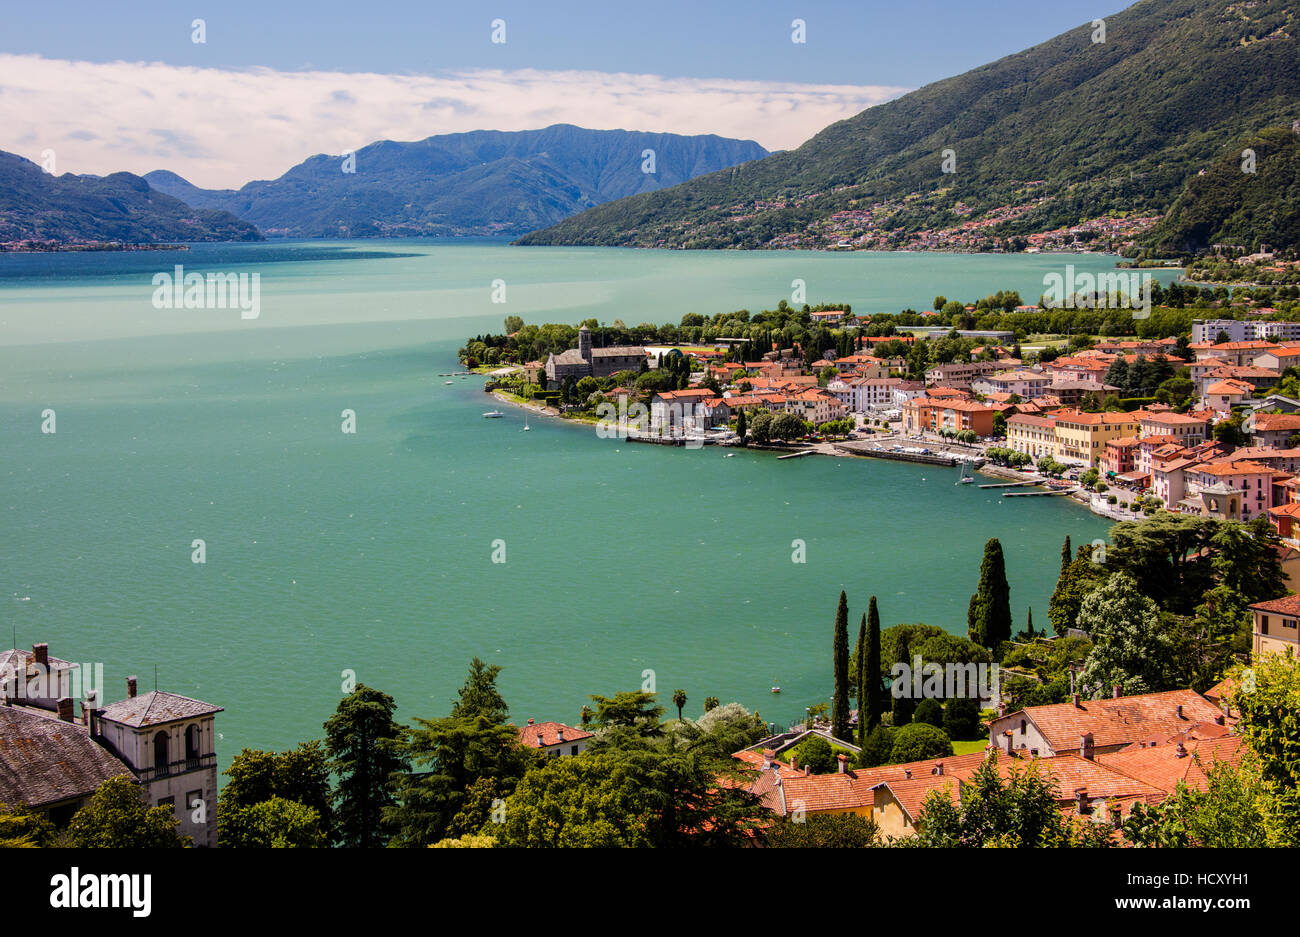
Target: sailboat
(965,479)
(525,423)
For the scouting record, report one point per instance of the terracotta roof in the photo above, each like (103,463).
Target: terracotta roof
(1287,605)
(44,760)
(1118,721)
(1271,422)
(1244,467)
(550,734)
(1164,766)
(156,707)
(20,660)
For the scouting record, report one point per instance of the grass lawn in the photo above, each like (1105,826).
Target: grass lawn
(965,748)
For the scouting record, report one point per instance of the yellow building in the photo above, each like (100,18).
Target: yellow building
(1083,436)
(1033,435)
(1277,626)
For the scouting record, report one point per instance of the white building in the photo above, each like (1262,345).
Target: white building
(1244,330)
(554,739)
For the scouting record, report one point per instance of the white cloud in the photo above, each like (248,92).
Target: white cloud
(220,128)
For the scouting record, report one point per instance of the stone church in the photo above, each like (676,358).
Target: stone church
(585,361)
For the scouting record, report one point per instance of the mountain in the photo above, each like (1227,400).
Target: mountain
(478,183)
(35,205)
(1068,130)
(1224,204)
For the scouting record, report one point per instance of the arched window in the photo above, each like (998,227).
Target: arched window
(160,752)
(191,743)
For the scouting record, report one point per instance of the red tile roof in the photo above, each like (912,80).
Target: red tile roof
(550,734)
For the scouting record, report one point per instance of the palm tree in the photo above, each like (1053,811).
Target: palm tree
(679,700)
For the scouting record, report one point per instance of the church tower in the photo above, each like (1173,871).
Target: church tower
(584,343)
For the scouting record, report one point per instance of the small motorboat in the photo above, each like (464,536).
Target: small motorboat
(493,415)
(525,424)
(729,455)
(449,382)
(776,689)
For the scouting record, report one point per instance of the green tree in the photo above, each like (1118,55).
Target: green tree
(1128,649)
(871,670)
(989,617)
(21,828)
(878,747)
(1235,811)
(1077,579)
(823,831)
(961,718)
(300,776)
(275,823)
(1017,810)
(918,741)
(929,712)
(710,703)
(679,700)
(857,670)
(816,754)
(631,799)
(117,817)
(363,745)
(840,700)
(1268,700)
(513,324)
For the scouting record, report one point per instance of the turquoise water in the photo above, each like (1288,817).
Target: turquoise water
(373,552)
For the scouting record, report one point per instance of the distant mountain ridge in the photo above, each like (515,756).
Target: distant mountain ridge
(1068,130)
(483,182)
(38,206)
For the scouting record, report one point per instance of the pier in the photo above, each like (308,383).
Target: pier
(1011,484)
(933,458)
(1047,493)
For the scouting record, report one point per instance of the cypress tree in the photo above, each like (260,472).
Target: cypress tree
(861,677)
(840,704)
(988,619)
(1029,623)
(1067,554)
(875,692)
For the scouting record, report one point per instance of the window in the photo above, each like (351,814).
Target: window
(167,802)
(573,750)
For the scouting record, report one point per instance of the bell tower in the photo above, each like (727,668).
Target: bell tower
(584,343)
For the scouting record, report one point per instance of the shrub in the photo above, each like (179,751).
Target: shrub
(816,755)
(930,711)
(877,748)
(1102,487)
(961,718)
(919,741)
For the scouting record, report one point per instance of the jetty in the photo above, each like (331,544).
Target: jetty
(1012,484)
(930,458)
(1046,492)
(796,455)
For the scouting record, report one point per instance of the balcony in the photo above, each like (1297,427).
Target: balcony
(182,766)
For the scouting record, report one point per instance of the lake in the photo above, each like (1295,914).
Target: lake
(373,552)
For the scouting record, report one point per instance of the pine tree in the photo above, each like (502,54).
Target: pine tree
(875,692)
(988,618)
(840,704)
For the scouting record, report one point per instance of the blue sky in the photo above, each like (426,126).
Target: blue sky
(910,42)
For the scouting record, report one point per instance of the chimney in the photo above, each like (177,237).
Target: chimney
(1219,720)
(560,733)
(768,756)
(540,741)
(1076,700)
(907,773)
(1081,799)
(1086,746)
(130,686)
(1002,708)
(937,769)
(530,722)
(1181,751)
(1180,710)
(794,762)
(1115,691)
(843,762)
(65,708)
(42,654)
